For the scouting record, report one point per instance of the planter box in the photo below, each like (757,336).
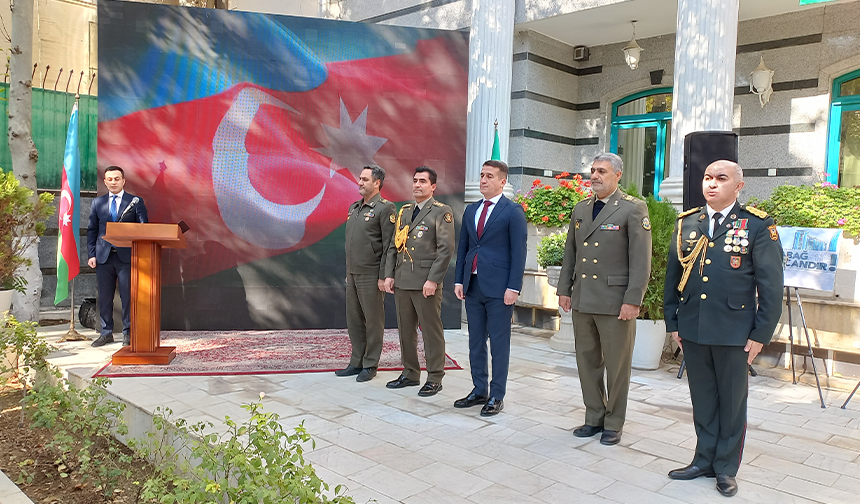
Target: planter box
(533,238)
(536,291)
(650,341)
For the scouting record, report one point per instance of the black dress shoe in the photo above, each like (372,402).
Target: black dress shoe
(470,400)
(401,382)
(102,340)
(493,407)
(126,340)
(610,437)
(349,370)
(587,430)
(727,485)
(429,389)
(366,374)
(690,472)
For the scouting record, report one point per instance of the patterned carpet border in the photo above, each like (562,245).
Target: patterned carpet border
(225,353)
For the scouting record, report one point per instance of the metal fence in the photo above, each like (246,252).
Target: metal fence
(51,112)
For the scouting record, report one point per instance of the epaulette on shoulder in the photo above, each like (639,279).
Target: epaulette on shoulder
(383,200)
(627,197)
(761,214)
(438,204)
(689,212)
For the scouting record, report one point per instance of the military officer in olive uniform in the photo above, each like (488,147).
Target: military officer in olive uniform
(369,228)
(607,262)
(721,255)
(418,260)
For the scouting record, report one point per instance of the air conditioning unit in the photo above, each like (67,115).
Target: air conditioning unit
(580,53)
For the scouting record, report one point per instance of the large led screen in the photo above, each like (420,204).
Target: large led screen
(253,129)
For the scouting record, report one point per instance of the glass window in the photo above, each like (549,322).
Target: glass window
(843,142)
(849,149)
(850,88)
(650,104)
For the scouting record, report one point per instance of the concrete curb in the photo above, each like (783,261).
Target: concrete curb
(10,493)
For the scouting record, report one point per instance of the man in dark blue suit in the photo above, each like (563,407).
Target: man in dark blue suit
(112,264)
(491,259)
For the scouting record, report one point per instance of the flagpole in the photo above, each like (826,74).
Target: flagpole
(72,334)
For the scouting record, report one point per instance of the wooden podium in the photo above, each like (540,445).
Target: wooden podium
(146,242)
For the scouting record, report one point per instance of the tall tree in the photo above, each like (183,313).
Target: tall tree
(21,146)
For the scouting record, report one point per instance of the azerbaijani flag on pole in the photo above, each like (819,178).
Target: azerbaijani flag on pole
(68,262)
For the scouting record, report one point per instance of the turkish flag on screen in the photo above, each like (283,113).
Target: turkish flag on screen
(265,172)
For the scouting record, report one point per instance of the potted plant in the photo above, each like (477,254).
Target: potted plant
(21,223)
(650,327)
(548,208)
(550,254)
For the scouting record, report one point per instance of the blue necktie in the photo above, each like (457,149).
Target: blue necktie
(113,209)
(598,206)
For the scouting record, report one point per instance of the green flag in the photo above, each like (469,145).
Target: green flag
(497,155)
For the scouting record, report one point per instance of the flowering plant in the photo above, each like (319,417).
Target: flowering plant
(823,205)
(551,206)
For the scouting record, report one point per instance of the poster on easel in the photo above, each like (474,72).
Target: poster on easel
(811,256)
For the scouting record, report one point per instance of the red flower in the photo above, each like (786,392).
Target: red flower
(536,183)
(525,206)
(564,174)
(561,216)
(545,218)
(548,187)
(587,183)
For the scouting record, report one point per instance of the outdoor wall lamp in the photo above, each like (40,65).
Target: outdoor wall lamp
(761,82)
(632,51)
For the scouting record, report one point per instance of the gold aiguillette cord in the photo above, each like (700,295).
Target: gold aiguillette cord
(400,237)
(688,261)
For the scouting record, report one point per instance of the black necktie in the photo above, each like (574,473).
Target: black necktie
(415,212)
(717,217)
(598,206)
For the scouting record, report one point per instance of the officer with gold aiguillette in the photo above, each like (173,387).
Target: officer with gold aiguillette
(721,256)
(369,227)
(417,262)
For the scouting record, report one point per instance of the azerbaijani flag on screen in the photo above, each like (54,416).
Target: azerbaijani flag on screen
(68,262)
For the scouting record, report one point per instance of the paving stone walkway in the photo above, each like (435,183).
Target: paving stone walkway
(393,446)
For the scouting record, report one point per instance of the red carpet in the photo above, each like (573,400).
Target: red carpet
(210,353)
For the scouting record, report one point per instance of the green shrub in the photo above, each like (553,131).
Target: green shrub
(662,216)
(254,462)
(550,250)
(24,352)
(21,223)
(83,423)
(823,205)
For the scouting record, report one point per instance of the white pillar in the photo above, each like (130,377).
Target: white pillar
(706,40)
(491,48)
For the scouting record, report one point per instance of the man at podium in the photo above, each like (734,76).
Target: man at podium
(112,264)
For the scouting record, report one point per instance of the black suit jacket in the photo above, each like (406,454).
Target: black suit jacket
(99,217)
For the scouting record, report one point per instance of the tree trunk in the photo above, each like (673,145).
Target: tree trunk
(24,154)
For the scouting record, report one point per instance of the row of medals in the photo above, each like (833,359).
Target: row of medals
(736,241)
